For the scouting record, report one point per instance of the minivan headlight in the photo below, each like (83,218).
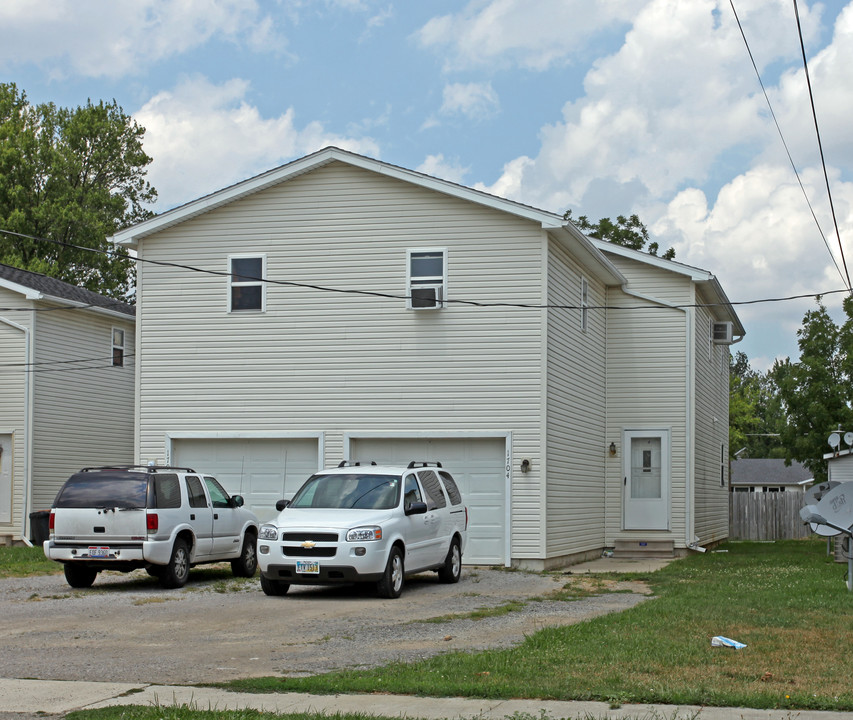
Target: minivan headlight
(268,532)
(363,534)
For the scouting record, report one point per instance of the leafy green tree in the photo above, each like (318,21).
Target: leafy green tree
(628,232)
(72,176)
(815,391)
(756,418)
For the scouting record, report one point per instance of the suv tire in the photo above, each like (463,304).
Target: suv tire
(273,587)
(451,571)
(175,574)
(391,584)
(79,576)
(247,563)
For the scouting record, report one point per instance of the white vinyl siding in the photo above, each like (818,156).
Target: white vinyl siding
(82,411)
(648,380)
(321,360)
(576,412)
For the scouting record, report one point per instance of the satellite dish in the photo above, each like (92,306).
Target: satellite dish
(835,507)
(834,440)
(848,439)
(816,492)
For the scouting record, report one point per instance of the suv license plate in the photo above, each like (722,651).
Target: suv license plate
(308,567)
(99,552)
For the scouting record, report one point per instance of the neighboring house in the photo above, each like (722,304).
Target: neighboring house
(403,318)
(839,465)
(66,390)
(768,475)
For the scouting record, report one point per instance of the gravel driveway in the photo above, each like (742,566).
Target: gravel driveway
(126,628)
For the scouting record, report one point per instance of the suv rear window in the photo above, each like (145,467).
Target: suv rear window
(103,489)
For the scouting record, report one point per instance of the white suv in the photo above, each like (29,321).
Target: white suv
(163,519)
(366,523)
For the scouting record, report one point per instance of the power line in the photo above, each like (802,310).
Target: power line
(844,277)
(395,296)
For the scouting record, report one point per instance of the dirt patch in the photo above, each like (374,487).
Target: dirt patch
(127,629)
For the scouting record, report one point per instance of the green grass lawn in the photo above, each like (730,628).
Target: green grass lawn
(787,601)
(22,561)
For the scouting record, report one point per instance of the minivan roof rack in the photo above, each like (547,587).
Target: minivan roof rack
(347,463)
(423,463)
(146,468)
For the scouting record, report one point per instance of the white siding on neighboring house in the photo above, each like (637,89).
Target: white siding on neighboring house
(647,389)
(711,408)
(83,411)
(327,362)
(13,414)
(576,410)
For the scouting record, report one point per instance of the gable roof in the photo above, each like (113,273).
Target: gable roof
(35,286)
(763,471)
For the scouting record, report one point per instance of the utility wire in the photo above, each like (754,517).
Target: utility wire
(819,143)
(844,278)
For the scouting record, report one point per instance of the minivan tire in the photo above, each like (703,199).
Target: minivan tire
(273,587)
(391,584)
(451,571)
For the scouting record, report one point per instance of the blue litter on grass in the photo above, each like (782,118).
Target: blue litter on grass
(720,641)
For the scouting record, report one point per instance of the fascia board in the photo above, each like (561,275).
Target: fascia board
(65,302)
(27,292)
(580,246)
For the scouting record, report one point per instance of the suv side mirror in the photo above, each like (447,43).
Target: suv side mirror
(281,504)
(416,508)
(237,500)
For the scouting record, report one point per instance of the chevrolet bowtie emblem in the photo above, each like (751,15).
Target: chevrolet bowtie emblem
(308,543)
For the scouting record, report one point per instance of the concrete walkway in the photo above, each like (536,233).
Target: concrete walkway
(36,697)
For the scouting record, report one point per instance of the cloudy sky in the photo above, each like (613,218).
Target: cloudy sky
(604,107)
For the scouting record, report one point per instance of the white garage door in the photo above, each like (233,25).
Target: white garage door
(477,465)
(262,470)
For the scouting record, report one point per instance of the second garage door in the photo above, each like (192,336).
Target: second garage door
(262,470)
(478,466)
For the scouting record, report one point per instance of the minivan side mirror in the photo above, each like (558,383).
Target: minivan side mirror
(281,504)
(416,508)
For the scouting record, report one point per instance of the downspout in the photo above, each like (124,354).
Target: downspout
(28,393)
(689,540)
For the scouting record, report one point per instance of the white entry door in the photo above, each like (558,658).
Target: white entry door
(646,480)
(5,479)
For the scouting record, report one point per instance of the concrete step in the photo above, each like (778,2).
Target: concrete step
(644,549)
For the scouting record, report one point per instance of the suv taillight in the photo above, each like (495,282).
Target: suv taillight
(51,521)
(152,522)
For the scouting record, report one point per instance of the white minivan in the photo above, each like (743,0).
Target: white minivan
(366,523)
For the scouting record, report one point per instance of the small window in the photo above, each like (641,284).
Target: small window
(246,286)
(451,487)
(723,464)
(427,281)
(584,304)
(432,488)
(167,492)
(218,496)
(118,347)
(412,493)
(196,492)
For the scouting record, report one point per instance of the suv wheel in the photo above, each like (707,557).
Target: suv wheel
(273,587)
(175,574)
(391,584)
(247,563)
(79,576)
(451,571)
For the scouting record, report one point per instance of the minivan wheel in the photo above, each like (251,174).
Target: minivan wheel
(247,563)
(79,576)
(451,571)
(175,574)
(391,584)
(273,587)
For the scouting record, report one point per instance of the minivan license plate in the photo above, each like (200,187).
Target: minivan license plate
(99,552)
(308,567)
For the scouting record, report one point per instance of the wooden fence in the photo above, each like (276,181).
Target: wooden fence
(766,516)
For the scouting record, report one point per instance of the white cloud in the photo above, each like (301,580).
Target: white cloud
(533,34)
(438,166)
(204,137)
(472,100)
(112,39)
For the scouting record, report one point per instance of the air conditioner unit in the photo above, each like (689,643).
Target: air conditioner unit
(426,297)
(722,333)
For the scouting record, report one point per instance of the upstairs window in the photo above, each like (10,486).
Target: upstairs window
(246,286)
(427,279)
(118,347)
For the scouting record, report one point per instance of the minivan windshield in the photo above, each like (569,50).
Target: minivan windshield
(103,489)
(361,491)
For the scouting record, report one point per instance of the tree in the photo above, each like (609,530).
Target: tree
(71,176)
(815,391)
(756,418)
(628,232)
